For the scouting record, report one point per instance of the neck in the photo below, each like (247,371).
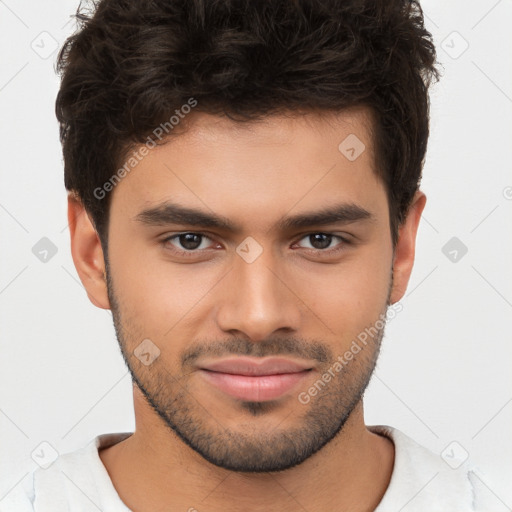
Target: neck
(153,468)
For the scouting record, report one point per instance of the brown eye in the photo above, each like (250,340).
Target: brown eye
(187,244)
(320,240)
(189,241)
(324,241)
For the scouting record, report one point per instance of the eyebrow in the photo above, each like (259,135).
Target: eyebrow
(172,213)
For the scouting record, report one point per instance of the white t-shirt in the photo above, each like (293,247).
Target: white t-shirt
(421,481)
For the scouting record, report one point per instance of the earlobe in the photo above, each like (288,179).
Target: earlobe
(87,253)
(405,248)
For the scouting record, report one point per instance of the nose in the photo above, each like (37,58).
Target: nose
(258,299)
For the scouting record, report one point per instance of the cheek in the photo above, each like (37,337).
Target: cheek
(160,296)
(350,296)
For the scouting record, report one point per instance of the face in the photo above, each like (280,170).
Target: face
(228,319)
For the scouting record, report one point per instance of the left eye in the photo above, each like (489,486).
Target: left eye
(321,241)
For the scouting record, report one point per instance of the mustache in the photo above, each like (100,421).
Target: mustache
(272,347)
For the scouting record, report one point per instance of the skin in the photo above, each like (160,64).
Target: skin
(254,175)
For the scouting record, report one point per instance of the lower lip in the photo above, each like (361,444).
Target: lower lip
(255,388)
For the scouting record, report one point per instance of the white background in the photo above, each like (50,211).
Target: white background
(444,372)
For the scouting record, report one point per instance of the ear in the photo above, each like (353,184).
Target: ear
(404,251)
(87,253)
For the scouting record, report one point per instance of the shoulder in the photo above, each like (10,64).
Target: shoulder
(425,481)
(74,481)
(20,498)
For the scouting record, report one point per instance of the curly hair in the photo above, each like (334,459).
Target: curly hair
(130,65)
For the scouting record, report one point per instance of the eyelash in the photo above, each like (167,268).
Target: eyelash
(193,253)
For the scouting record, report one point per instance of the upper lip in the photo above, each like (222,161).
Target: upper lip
(256,366)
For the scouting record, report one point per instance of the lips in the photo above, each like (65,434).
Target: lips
(255,379)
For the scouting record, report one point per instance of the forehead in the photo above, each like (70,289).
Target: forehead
(308,133)
(259,166)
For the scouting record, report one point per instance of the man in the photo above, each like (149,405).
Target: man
(244,196)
